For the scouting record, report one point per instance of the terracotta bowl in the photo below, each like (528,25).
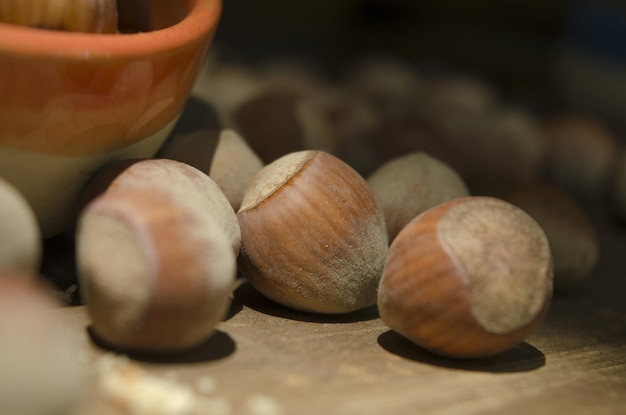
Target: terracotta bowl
(71,102)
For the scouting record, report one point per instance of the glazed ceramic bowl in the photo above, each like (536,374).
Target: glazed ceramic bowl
(71,102)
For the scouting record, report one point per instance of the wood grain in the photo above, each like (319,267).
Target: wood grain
(574,364)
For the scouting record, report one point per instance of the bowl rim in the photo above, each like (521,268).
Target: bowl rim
(201,21)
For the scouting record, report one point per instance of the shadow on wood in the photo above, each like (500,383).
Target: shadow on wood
(250,297)
(522,358)
(234,308)
(219,346)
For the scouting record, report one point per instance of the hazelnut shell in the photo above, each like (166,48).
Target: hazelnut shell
(156,274)
(313,236)
(468,278)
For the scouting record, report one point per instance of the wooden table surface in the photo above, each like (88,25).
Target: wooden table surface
(267,360)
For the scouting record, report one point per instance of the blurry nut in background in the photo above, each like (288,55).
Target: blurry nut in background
(20,237)
(42,370)
(581,153)
(412,184)
(570,232)
(499,149)
(224,156)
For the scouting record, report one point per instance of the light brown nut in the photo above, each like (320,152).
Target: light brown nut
(570,232)
(20,236)
(156,272)
(224,156)
(43,372)
(468,278)
(581,153)
(184,182)
(412,184)
(313,236)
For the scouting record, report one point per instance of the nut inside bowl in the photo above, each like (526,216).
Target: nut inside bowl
(72,102)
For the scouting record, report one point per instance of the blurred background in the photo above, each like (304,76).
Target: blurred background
(549,55)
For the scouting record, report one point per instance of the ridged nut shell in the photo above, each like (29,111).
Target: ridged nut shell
(180,180)
(313,236)
(468,278)
(156,274)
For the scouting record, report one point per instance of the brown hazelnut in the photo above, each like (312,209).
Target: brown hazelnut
(313,236)
(468,278)
(181,180)
(42,372)
(270,123)
(224,156)
(156,272)
(20,236)
(411,184)
(225,86)
(452,100)
(387,83)
(284,117)
(581,153)
(572,237)
(346,120)
(398,136)
(499,149)
(293,74)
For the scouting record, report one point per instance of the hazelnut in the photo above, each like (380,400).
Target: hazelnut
(234,165)
(452,100)
(499,149)
(226,86)
(581,153)
(42,372)
(467,278)
(398,136)
(224,156)
(181,180)
(388,83)
(313,236)
(293,74)
(411,184)
(284,118)
(20,236)
(96,16)
(156,272)
(270,123)
(345,120)
(572,237)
